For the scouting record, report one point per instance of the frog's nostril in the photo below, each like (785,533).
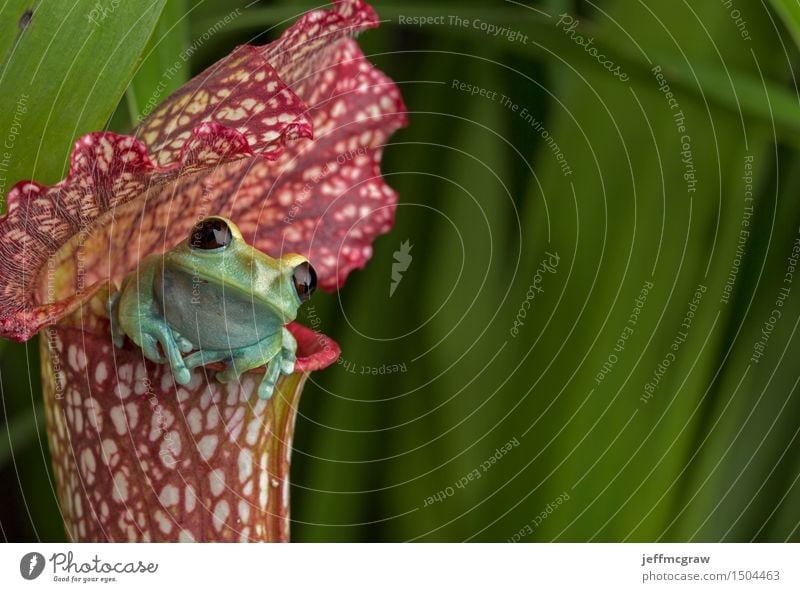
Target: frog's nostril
(305,280)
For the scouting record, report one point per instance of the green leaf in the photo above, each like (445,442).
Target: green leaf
(63,77)
(21,430)
(728,86)
(789,11)
(13,20)
(281,15)
(166,64)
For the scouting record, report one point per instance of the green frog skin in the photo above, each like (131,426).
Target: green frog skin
(214,298)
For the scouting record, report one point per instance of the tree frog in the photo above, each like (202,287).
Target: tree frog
(217,299)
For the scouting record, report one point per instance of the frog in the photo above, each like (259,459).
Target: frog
(214,298)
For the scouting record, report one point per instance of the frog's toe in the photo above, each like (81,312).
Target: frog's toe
(227,375)
(184,345)
(287,364)
(150,349)
(118,339)
(265,389)
(195,359)
(182,375)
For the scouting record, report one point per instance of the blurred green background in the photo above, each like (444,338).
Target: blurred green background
(667,426)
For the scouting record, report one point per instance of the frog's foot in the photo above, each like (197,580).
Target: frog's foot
(203,357)
(149,346)
(265,388)
(288,351)
(267,352)
(267,385)
(157,331)
(184,345)
(288,359)
(232,372)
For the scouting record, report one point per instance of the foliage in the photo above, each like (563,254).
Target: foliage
(434,386)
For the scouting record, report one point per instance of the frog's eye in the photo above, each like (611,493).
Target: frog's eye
(305,280)
(211,233)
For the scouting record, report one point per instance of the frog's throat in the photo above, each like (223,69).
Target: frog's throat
(252,294)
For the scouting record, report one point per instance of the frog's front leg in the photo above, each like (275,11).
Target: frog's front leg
(203,357)
(135,313)
(268,351)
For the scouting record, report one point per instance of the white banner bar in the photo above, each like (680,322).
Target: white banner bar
(389,567)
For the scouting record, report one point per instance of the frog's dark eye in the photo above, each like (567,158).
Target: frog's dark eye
(305,280)
(211,233)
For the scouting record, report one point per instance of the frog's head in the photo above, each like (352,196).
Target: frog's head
(226,265)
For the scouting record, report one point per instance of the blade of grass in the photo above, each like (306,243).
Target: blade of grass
(620,460)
